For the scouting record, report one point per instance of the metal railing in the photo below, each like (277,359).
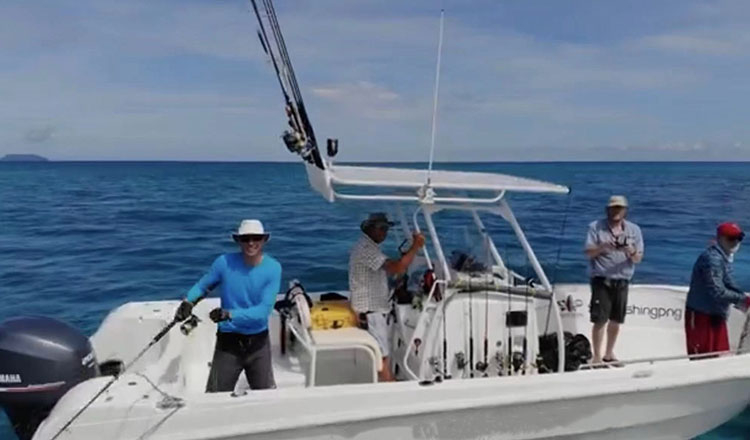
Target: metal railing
(652,360)
(440,311)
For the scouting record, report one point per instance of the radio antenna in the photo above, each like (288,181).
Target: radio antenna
(435,97)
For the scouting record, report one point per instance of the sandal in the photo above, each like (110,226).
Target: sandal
(613,361)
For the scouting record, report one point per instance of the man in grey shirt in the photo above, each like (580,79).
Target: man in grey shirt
(614,246)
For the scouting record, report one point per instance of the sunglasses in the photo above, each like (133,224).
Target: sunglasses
(737,237)
(249,238)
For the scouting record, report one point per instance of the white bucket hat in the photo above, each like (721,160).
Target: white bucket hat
(251,227)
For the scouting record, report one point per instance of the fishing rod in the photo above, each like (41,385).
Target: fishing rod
(301,138)
(281,49)
(154,340)
(471,335)
(267,49)
(482,366)
(445,346)
(295,121)
(526,333)
(557,259)
(508,314)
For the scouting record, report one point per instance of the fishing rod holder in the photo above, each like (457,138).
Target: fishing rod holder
(332,147)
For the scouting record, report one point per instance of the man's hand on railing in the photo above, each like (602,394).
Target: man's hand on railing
(417,240)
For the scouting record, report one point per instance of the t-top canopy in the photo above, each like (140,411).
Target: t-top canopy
(439,179)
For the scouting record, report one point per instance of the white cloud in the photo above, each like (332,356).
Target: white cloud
(147,79)
(543,73)
(685,43)
(359,92)
(370,100)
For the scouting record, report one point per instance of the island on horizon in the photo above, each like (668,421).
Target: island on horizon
(23,158)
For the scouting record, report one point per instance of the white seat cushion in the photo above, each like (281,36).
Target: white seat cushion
(348,336)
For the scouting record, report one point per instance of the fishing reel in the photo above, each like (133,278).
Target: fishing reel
(517,360)
(189,325)
(435,363)
(297,143)
(500,359)
(461,360)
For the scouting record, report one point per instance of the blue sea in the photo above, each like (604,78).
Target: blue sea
(80,238)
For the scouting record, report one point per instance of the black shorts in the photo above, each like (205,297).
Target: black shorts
(235,353)
(609,300)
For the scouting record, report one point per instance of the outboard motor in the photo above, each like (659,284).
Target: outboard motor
(40,360)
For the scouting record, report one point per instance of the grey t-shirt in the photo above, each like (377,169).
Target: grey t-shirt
(614,263)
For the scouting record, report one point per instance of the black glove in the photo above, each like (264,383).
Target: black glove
(183,311)
(218,314)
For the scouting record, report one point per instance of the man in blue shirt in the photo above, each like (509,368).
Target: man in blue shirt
(614,246)
(248,283)
(712,290)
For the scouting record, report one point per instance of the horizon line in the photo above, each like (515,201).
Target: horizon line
(364,161)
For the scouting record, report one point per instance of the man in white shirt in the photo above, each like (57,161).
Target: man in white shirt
(369,269)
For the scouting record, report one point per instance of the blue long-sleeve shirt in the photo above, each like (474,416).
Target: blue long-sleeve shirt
(712,286)
(247,292)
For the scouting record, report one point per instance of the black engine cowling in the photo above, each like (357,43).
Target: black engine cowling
(40,360)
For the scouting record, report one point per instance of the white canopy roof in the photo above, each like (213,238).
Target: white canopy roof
(440,179)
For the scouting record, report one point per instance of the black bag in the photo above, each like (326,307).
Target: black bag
(577,352)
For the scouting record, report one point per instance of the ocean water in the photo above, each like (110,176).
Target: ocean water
(78,238)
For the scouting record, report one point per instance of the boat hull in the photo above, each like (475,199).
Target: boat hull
(665,399)
(646,403)
(666,415)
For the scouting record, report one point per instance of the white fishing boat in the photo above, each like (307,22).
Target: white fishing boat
(481,353)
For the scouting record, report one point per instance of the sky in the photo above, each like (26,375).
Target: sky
(521,80)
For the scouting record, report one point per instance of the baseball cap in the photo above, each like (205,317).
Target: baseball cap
(730,230)
(617,201)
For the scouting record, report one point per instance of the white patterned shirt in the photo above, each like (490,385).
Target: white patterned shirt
(368,281)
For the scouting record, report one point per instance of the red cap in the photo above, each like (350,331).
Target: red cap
(730,230)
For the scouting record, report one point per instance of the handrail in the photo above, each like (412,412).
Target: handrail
(480,200)
(306,342)
(436,244)
(419,322)
(507,213)
(383,197)
(526,292)
(697,356)
(397,198)
(483,231)
(424,248)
